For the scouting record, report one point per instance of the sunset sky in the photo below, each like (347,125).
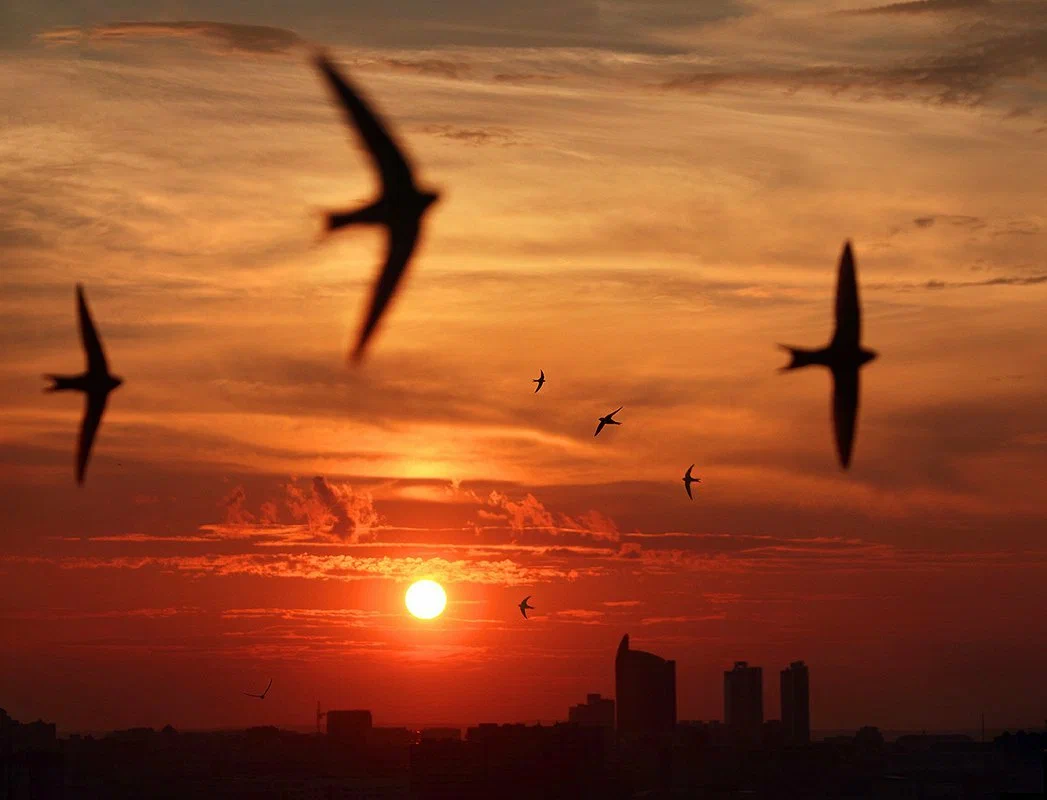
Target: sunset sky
(641,198)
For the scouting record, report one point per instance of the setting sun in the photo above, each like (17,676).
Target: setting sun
(425,599)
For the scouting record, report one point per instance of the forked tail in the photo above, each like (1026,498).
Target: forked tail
(368,215)
(60,383)
(804,358)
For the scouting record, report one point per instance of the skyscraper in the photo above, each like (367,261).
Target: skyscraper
(743,700)
(796,703)
(646,689)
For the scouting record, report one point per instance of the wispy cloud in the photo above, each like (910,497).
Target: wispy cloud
(222,36)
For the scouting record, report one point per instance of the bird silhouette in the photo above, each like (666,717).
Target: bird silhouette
(844,356)
(540,380)
(263,694)
(523,606)
(688,480)
(96,383)
(400,207)
(608,420)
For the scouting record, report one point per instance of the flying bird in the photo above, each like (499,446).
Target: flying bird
(263,694)
(399,208)
(96,383)
(523,606)
(608,420)
(688,480)
(540,380)
(844,356)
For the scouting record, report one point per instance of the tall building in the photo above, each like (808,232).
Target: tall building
(743,700)
(598,712)
(796,703)
(645,685)
(350,727)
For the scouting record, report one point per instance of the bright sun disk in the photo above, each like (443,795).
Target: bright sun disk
(425,599)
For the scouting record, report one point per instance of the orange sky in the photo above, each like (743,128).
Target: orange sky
(640,198)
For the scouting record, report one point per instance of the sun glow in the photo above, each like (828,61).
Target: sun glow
(425,599)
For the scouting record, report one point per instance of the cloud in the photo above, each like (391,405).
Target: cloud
(923,7)
(236,512)
(964,76)
(474,136)
(426,66)
(622,603)
(333,509)
(229,37)
(530,514)
(326,567)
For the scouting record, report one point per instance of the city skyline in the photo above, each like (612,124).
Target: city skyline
(639,202)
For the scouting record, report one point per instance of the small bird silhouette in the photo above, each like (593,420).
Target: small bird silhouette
(96,383)
(844,356)
(688,480)
(400,207)
(523,606)
(540,380)
(263,694)
(608,420)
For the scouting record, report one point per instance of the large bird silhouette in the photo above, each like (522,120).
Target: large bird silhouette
(96,383)
(400,207)
(844,356)
(540,380)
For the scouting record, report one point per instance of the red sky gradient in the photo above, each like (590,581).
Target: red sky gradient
(642,199)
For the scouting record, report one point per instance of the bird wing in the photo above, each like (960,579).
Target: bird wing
(250,695)
(848,312)
(688,474)
(687,486)
(845,412)
(386,155)
(616,411)
(599,428)
(267,688)
(541,376)
(401,243)
(523,610)
(89,337)
(93,409)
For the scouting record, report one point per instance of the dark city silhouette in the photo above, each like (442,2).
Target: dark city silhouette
(96,383)
(400,207)
(844,356)
(743,700)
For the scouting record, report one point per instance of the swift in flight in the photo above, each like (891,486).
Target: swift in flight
(263,694)
(523,606)
(608,420)
(844,356)
(400,207)
(540,380)
(96,383)
(688,480)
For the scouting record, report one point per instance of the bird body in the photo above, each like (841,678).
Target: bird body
(844,356)
(400,207)
(524,606)
(540,380)
(96,383)
(263,694)
(607,420)
(688,480)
